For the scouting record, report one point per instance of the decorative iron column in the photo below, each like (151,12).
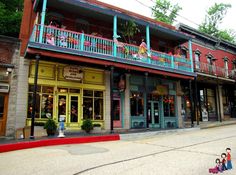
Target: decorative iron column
(111,97)
(34,96)
(145,97)
(196,100)
(218,96)
(114,35)
(43,14)
(190,54)
(148,42)
(191,102)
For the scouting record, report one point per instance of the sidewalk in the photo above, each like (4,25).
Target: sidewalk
(210,124)
(10,144)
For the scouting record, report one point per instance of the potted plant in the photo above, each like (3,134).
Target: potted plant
(87,125)
(51,127)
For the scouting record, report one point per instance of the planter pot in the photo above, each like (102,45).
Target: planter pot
(51,132)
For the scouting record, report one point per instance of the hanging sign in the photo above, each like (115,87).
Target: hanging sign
(73,73)
(161,90)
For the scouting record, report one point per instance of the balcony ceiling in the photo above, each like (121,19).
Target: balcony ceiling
(71,6)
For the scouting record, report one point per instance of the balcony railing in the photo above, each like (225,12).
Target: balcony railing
(214,70)
(98,45)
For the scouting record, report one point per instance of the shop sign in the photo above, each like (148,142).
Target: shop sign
(121,83)
(204,115)
(73,73)
(161,90)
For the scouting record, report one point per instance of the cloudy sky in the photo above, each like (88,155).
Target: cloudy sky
(192,13)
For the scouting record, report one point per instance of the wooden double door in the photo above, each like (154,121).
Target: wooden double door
(3,113)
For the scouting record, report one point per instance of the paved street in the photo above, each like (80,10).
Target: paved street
(178,153)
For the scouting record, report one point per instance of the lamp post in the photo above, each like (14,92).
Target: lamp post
(34,96)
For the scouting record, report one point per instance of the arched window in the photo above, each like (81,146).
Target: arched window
(226,66)
(197,55)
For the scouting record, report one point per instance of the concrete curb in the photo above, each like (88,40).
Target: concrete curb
(56,141)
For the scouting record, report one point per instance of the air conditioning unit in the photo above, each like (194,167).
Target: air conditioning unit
(4,88)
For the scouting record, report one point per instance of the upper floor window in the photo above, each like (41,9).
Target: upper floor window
(210,59)
(211,64)
(234,64)
(183,52)
(226,66)
(197,54)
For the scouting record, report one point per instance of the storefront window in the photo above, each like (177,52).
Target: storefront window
(136,102)
(211,104)
(93,105)
(169,105)
(44,102)
(226,103)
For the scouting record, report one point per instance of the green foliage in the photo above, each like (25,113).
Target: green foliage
(228,35)
(128,29)
(164,11)
(87,125)
(50,126)
(214,17)
(10,17)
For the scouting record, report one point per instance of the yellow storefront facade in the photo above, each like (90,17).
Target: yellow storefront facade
(70,91)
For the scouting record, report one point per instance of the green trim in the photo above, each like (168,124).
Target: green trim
(190,53)
(42,20)
(114,35)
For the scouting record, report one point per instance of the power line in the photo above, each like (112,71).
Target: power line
(149,7)
(168,10)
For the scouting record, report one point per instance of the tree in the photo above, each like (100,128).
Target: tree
(128,29)
(228,35)
(164,11)
(10,17)
(214,17)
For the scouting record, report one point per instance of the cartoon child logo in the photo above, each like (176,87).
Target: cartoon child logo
(229,164)
(223,156)
(223,164)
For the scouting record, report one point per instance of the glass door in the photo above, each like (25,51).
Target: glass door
(117,113)
(62,107)
(153,114)
(3,115)
(73,108)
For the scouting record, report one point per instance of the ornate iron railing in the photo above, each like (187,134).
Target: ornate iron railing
(94,44)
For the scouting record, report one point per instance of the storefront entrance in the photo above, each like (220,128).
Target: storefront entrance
(3,113)
(68,106)
(117,113)
(153,114)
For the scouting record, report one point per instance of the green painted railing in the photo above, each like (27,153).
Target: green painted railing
(94,44)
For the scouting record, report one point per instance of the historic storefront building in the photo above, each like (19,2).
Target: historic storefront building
(214,89)
(9,61)
(87,65)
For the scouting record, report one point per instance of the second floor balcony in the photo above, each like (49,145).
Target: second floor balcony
(214,70)
(66,41)
(97,33)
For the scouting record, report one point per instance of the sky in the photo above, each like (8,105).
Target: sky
(192,14)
